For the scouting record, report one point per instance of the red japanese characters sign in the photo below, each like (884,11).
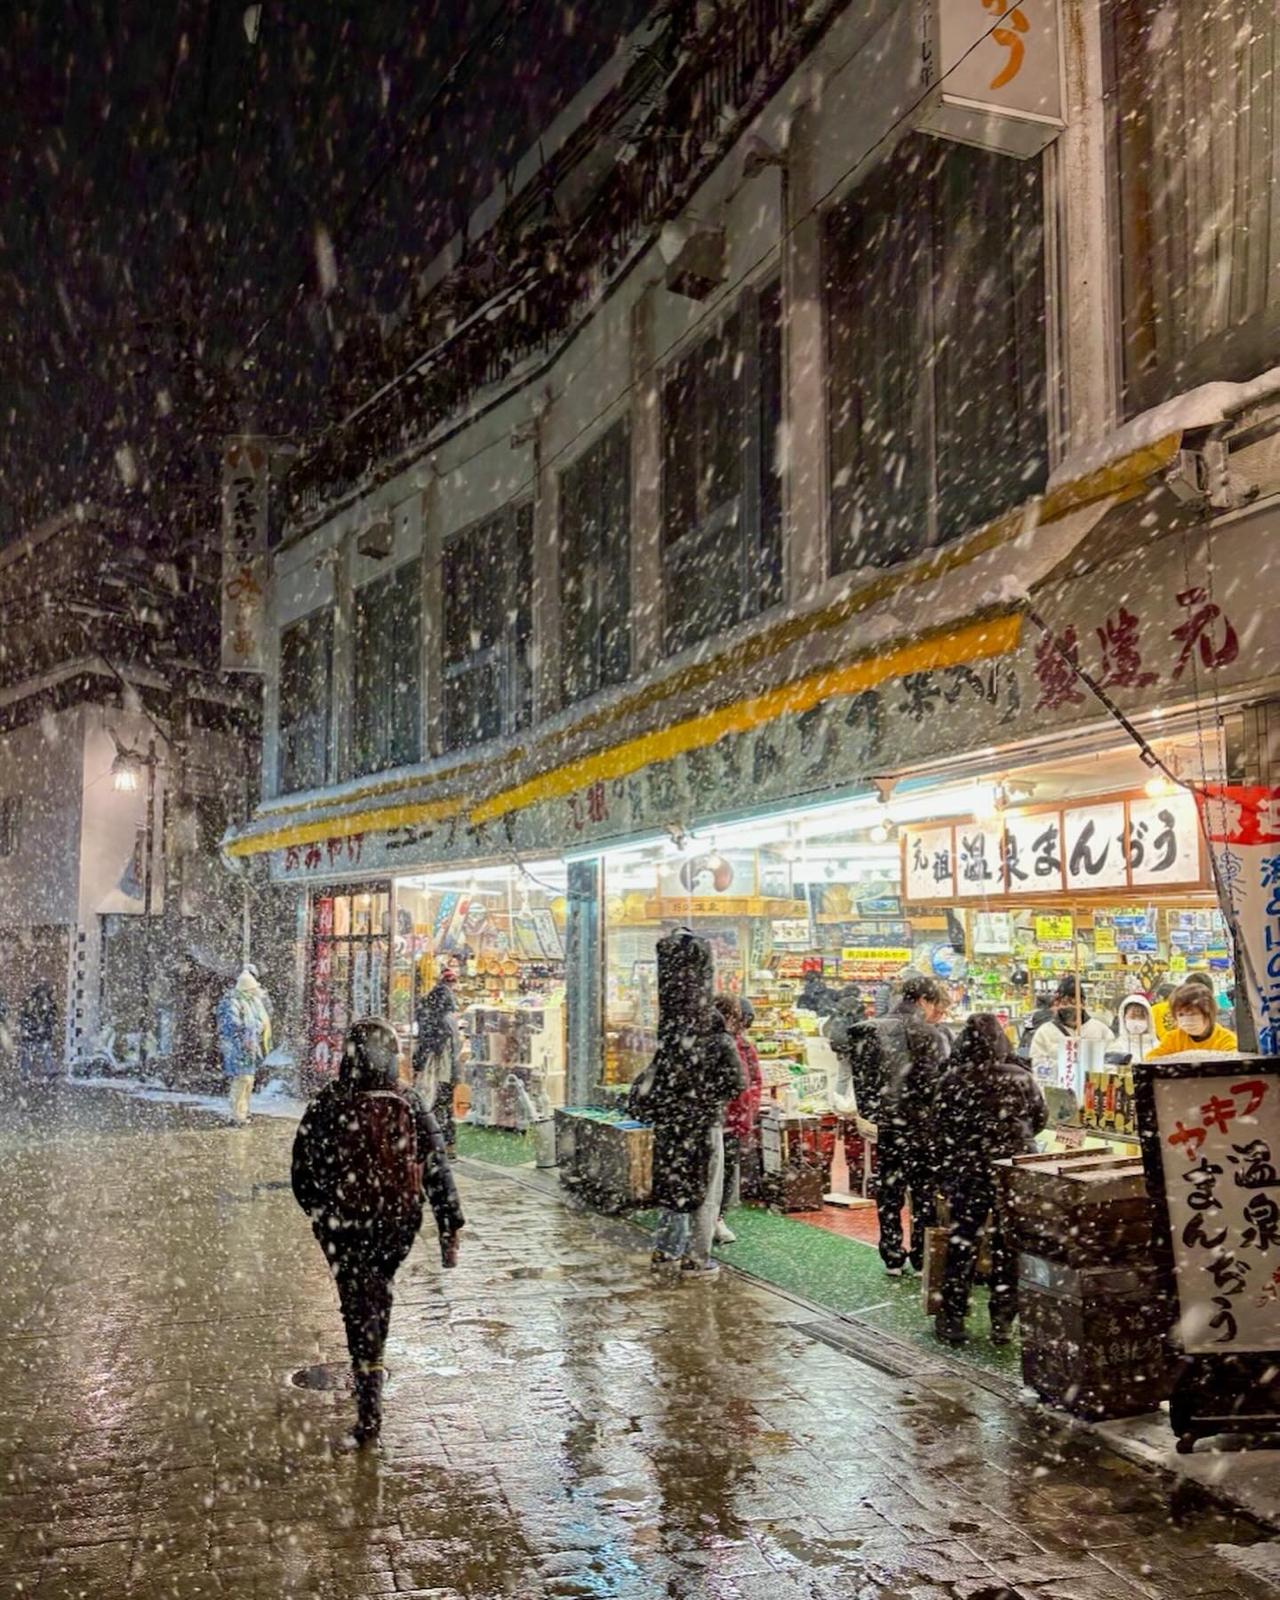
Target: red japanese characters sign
(1242,823)
(1218,1128)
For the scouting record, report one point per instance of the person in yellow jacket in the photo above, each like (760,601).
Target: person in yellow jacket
(1161,1015)
(1195,1024)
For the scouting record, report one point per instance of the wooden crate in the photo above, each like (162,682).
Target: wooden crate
(1094,1338)
(1083,1209)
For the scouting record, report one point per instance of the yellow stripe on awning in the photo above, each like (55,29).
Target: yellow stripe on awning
(977,641)
(400,816)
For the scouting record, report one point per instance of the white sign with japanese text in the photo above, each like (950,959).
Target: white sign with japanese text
(1033,851)
(930,864)
(1242,823)
(995,71)
(1219,1138)
(979,860)
(1164,840)
(1094,845)
(245,465)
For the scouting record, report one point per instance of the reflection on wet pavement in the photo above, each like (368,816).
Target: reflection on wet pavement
(557,1424)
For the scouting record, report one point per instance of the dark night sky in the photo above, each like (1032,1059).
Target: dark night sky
(162,179)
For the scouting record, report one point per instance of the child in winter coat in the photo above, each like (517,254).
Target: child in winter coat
(989,1107)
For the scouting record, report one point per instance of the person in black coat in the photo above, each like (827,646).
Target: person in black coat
(695,1072)
(989,1107)
(366,1155)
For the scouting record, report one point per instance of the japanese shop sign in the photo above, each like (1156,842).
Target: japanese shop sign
(245,482)
(1242,823)
(1094,842)
(1219,1135)
(929,870)
(979,863)
(993,71)
(1115,844)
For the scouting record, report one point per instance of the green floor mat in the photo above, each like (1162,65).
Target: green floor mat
(500,1147)
(845,1275)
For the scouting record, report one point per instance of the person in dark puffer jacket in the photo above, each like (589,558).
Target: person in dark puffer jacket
(366,1156)
(989,1107)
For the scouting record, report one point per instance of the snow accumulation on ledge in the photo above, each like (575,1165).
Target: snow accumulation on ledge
(1205,407)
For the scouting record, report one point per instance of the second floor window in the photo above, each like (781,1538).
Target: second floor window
(1196,94)
(386,708)
(306,684)
(595,566)
(722,475)
(935,299)
(487,580)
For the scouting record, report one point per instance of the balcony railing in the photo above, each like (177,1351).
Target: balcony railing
(680,108)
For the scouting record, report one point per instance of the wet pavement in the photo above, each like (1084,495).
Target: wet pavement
(557,1424)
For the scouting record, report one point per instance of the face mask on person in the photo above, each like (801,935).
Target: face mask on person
(1135,1022)
(1069,1016)
(1193,1024)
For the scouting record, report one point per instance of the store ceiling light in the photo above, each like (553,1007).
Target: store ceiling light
(1157,786)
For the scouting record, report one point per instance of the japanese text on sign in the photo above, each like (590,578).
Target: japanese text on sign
(1242,823)
(1219,1139)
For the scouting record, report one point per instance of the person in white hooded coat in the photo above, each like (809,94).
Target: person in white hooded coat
(1135,1027)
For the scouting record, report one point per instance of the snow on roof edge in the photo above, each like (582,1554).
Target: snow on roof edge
(1203,407)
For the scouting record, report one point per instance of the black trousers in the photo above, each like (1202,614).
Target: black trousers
(442,1110)
(364,1275)
(974,1213)
(904,1166)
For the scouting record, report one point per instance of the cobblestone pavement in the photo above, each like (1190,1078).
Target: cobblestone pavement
(558,1425)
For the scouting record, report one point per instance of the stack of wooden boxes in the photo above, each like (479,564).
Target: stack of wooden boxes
(1093,1310)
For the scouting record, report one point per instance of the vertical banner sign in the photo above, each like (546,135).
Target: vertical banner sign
(1242,825)
(1217,1125)
(245,485)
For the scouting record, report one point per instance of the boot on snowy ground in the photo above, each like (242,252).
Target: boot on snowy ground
(368,1405)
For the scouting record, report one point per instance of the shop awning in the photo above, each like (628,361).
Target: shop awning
(960,604)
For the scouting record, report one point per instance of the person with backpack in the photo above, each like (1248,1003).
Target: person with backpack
(894,1064)
(366,1154)
(989,1107)
(243,1021)
(695,1072)
(437,1053)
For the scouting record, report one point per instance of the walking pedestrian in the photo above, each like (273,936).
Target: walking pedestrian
(37,1024)
(989,1107)
(437,1053)
(695,1072)
(244,1039)
(366,1153)
(740,1114)
(897,1061)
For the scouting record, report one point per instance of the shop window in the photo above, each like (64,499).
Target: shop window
(487,582)
(349,968)
(304,728)
(387,701)
(595,566)
(722,475)
(1196,94)
(935,300)
(10,824)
